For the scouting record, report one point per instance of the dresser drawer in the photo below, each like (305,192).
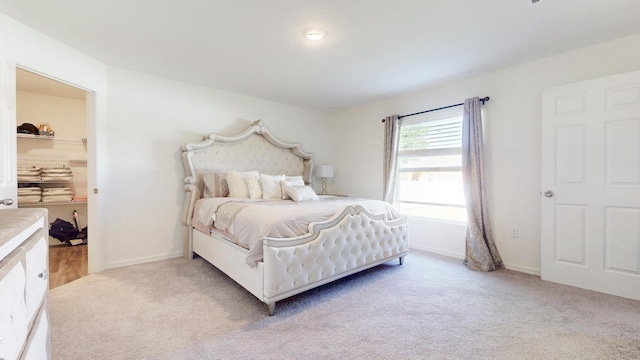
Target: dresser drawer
(37,273)
(38,343)
(13,310)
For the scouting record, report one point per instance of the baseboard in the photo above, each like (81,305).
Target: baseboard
(522,269)
(508,266)
(142,260)
(448,253)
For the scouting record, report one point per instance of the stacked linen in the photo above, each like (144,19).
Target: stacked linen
(32,194)
(62,173)
(57,194)
(29,173)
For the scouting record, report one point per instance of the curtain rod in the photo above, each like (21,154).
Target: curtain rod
(483,100)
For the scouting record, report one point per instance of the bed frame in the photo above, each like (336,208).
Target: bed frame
(351,241)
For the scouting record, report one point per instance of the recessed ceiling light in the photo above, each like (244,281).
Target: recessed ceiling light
(315,35)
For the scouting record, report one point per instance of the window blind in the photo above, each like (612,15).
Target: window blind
(432,135)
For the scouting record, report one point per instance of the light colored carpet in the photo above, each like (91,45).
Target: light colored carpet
(431,307)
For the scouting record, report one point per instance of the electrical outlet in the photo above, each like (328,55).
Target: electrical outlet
(515,233)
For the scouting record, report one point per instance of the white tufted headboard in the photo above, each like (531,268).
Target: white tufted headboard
(255,148)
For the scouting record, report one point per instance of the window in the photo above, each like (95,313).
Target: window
(430,166)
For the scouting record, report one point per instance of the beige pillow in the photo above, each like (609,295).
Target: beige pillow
(238,185)
(254,187)
(215,185)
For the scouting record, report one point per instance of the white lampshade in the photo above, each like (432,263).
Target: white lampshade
(324,171)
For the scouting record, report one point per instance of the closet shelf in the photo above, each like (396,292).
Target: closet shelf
(52,203)
(47,137)
(39,137)
(49,152)
(47,161)
(74,181)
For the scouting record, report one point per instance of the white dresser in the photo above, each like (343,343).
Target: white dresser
(24,284)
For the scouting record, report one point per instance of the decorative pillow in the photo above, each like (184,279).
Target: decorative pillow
(290,181)
(302,193)
(215,185)
(237,185)
(253,186)
(271,188)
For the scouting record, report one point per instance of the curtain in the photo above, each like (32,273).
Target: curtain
(481,253)
(391,146)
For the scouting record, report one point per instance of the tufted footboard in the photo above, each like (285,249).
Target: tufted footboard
(349,242)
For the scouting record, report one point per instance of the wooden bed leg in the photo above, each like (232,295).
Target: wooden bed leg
(401,258)
(271,309)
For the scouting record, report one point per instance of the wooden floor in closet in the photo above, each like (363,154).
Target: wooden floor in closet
(67,263)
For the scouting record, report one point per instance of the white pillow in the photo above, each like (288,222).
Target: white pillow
(271,188)
(254,187)
(302,193)
(295,180)
(238,185)
(290,181)
(284,185)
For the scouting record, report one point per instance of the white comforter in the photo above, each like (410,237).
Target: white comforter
(276,219)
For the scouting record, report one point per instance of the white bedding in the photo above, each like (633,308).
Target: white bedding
(277,219)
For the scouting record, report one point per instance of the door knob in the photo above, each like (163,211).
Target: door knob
(548,193)
(6,202)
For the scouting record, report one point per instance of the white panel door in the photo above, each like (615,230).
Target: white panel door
(591,185)
(8,167)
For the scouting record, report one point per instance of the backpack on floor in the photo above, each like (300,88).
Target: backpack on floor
(63,230)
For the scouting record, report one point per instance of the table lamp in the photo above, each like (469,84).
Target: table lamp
(324,172)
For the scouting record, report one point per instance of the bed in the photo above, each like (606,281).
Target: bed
(356,235)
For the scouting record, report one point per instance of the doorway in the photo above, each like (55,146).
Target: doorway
(53,166)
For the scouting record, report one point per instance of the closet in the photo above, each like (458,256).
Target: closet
(52,165)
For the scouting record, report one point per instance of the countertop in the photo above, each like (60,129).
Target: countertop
(14,221)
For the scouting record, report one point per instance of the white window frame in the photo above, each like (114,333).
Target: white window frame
(425,118)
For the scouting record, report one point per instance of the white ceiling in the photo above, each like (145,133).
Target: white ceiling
(373,49)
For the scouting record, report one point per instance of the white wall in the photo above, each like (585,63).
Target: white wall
(512,142)
(150,118)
